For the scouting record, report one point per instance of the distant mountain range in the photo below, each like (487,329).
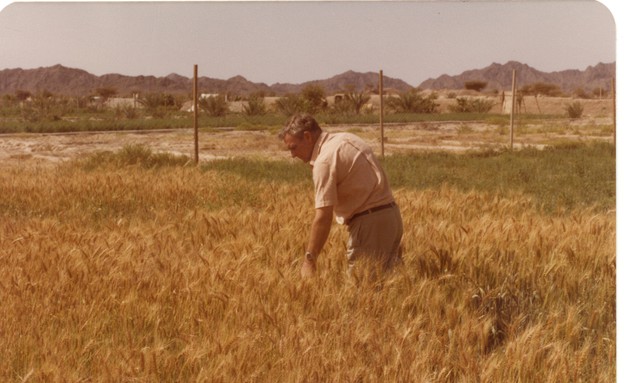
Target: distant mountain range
(59,79)
(499,77)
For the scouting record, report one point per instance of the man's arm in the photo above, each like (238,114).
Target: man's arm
(318,236)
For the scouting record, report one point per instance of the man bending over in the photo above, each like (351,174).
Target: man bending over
(350,183)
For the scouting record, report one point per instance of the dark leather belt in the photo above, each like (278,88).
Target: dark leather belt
(371,210)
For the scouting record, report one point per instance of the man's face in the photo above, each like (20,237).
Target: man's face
(301,148)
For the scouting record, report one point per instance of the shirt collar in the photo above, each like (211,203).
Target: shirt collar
(317,147)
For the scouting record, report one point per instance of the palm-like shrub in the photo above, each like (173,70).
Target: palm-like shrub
(158,104)
(255,106)
(413,101)
(215,106)
(471,105)
(574,110)
(289,104)
(313,98)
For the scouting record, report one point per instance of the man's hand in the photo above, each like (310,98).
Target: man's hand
(308,269)
(318,235)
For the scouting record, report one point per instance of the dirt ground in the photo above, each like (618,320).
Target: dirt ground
(48,149)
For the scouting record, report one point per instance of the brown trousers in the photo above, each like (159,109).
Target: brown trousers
(375,239)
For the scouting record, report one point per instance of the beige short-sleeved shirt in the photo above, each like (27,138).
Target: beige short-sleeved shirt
(347,175)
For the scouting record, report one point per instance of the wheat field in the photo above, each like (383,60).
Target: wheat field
(177,274)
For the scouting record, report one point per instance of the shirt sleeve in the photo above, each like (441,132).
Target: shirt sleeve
(325,184)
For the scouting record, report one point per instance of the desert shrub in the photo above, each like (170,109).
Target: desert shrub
(290,104)
(45,106)
(313,98)
(580,93)
(151,102)
(255,106)
(127,112)
(413,101)
(574,110)
(352,101)
(214,106)
(350,104)
(158,104)
(9,106)
(471,105)
(342,108)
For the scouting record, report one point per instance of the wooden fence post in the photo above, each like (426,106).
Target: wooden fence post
(513,110)
(195,114)
(614,108)
(381,112)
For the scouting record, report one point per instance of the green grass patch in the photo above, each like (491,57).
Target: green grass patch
(560,177)
(262,170)
(111,121)
(133,155)
(91,125)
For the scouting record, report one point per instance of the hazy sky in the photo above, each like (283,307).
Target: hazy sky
(293,42)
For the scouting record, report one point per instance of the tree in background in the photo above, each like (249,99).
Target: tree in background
(355,99)
(313,97)
(105,93)
(543,89)
(475,85)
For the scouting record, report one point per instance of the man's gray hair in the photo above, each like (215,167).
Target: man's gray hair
(298,124)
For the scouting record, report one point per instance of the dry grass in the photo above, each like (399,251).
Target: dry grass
(134,275)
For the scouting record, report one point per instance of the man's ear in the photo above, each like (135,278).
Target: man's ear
(307,136)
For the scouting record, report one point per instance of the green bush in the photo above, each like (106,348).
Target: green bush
(313,99)
(214,106)
(290,104)
(128,112)
(574,110)
(255,106)
(471,105)
(413,101)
